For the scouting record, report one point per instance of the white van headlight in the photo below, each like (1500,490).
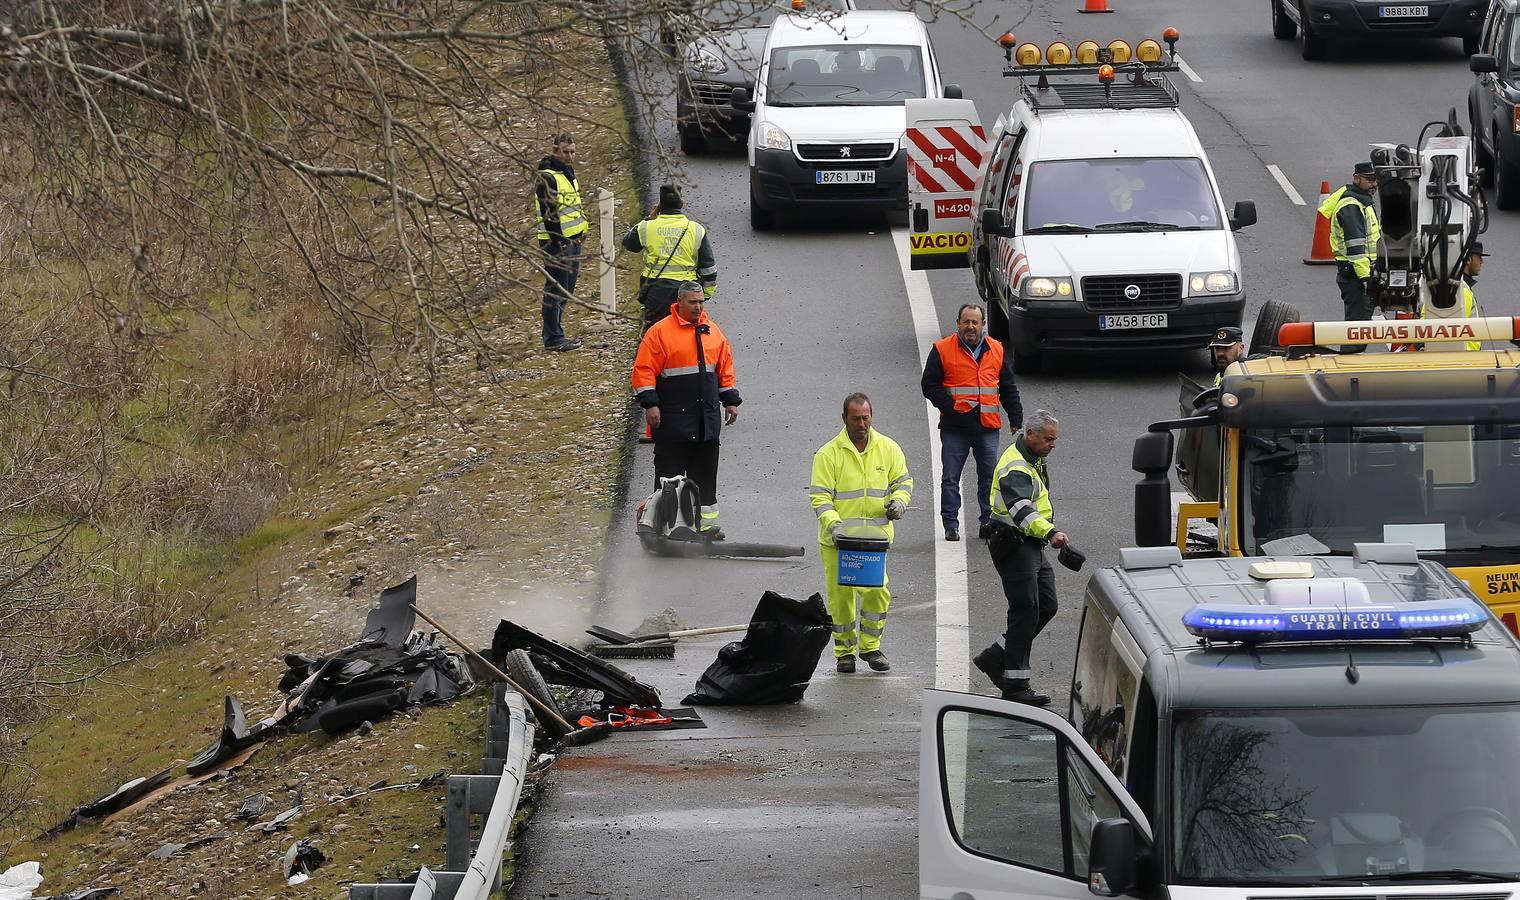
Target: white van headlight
(773,138)
(1204,283)
(1046,288)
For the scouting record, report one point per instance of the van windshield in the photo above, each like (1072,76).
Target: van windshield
(1326,796)
(1443,488)
(1118,195)
(845,75)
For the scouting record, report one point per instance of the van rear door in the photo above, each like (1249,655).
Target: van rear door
(1008,797)
(947,153)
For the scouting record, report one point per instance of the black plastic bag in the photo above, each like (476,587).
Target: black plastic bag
(775,660)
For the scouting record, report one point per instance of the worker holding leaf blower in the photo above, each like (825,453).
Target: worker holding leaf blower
(860,487)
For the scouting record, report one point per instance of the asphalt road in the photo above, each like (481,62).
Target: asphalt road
(819,798)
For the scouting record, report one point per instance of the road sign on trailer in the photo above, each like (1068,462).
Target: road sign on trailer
(946,149)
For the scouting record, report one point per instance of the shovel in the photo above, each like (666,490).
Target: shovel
(617,637)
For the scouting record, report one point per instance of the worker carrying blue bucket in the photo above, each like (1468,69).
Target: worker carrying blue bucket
(860,486)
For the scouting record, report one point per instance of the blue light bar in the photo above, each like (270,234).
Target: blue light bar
(1245,623)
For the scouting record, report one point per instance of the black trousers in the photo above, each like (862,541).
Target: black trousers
(656,295)
(1029,584)
(1353,293)
(697,460)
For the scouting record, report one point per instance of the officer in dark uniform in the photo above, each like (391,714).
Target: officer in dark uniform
(1228,346)
(1023,526)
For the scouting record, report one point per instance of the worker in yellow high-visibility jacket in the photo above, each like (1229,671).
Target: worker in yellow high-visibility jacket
(860,487)
(1355,234)
(1471,268)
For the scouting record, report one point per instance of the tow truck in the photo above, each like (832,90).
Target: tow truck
(1309,450)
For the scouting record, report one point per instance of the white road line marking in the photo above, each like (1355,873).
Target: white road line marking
(1286,185)
(1188,70)
(952,624)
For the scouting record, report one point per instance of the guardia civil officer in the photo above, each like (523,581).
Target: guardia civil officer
(1472,267)
(1354,237)
(676,250)
(1023,525)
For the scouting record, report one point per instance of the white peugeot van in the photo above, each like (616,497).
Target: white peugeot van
(1095,221)
(828,125)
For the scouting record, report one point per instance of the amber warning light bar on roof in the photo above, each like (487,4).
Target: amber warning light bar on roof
(1398,331)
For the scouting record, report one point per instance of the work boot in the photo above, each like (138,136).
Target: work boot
(1019,691)
(877,660)
(952,533)
(990,661)
(714,533)
(844,665)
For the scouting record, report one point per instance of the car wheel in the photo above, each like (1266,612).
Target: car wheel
(693,142)
(1026,356)
(1470,45)
(1283,28)
(1506,181)
(760,218)
(997,320)
(520,667)
(1310,45)
(1274,314)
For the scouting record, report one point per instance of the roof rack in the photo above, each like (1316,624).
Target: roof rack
(1138,86)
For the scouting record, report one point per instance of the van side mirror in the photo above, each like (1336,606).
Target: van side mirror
(953,92)
(739,99)
(1244,214)
(1483,63)
(1113,858)
(1152,458)
(992,221)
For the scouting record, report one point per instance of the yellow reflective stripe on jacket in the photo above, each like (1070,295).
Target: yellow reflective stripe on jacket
(663,237)
(572,219)
(852,487)
(1033,517)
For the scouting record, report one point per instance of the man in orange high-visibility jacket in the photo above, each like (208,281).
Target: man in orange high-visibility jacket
(969,380)
(683,377)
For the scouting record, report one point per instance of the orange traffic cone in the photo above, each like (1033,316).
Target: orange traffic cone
(1094,6)
(1320,253)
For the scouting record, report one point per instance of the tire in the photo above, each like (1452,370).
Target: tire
(760,218)
(693,142)
(997,321)
(1273,316)
(1283,28)
(1506,181)
(1310,45)
(1470,45)
(520,667)
(1026,357)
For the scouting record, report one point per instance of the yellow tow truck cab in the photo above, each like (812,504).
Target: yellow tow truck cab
(1310,451)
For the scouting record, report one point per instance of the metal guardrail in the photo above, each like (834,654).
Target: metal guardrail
(494,795)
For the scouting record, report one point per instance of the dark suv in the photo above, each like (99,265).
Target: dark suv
(1318,21)
(724,53)
(1493,103)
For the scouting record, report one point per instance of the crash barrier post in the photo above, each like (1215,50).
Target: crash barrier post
(485,868)
(606,203)
(467,878)
(498,724)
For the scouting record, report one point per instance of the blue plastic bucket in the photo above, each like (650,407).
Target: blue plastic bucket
(862,561)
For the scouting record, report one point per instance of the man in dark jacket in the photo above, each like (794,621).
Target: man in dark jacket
(968,378)
(1354,237)
(676,250)
(561,226)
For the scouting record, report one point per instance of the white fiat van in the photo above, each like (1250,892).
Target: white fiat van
(828,125)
